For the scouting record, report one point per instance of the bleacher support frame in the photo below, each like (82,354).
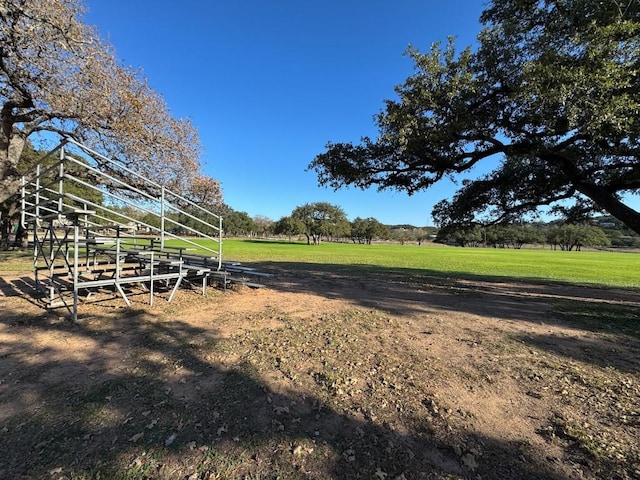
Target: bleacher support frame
(81,245)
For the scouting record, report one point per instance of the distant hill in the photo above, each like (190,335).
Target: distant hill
(618,233)
(412,227)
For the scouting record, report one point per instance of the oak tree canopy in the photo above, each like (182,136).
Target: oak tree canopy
(552,90)
(58,75)
(321,219)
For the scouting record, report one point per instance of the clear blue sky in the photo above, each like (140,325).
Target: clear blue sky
(269,82)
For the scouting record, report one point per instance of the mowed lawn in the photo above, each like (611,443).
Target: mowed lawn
(615,269)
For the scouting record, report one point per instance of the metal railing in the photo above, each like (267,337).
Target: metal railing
(162,213)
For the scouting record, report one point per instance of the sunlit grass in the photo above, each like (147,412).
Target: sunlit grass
(604,268)
(16,260)
(619,269)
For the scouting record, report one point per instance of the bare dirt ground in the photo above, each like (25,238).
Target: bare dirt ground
(326,373)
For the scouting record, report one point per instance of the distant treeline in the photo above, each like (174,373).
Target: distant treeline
(599,232)
(332,225)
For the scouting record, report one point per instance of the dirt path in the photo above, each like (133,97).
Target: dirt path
(384,376)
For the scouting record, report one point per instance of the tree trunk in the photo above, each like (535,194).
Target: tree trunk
(11,147)
(9,218)
(5,228)
(599,194)
(611,204)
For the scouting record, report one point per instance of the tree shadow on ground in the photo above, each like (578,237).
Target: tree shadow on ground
(612,315)
(145,396)
(405,291)
(615,342)
(142,396)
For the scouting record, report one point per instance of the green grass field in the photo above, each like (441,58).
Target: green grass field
(617,269)
(613,269)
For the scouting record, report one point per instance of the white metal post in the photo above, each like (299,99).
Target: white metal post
(37,199)
(61,182)
(76,247)
(23,205)
(219,243)
(162,218)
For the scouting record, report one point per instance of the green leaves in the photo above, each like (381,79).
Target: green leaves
(321,219)
(554,88)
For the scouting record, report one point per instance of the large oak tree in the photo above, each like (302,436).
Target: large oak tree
(321,219)
(553,90)
(57,75)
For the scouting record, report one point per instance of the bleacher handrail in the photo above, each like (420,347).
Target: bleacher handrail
(46,190)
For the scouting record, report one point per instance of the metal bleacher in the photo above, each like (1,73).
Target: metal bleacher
(94,231)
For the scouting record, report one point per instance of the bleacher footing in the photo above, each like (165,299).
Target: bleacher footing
(118,265)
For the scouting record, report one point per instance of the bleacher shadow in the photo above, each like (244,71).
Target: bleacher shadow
(20,286)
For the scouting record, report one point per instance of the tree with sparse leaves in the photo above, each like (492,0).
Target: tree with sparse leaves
(57,75)
(553,89)
(264,225)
